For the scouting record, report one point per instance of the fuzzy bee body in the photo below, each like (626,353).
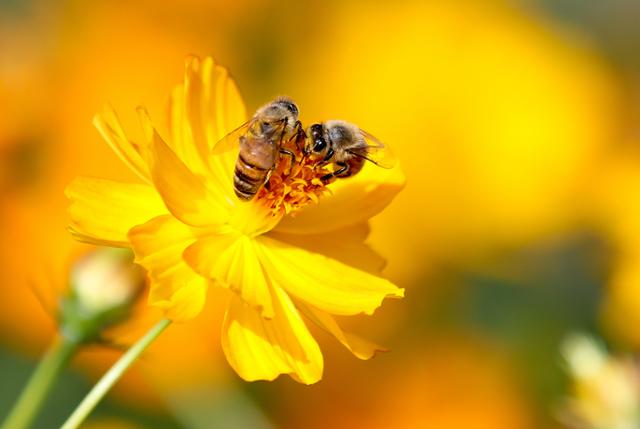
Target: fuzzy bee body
(347,147)
(256,159)
(260,144)
(354,165)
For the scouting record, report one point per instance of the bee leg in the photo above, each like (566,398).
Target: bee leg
(319,164)
(297,131)
(342,170)
(292,158)
(299,136)
(267,184)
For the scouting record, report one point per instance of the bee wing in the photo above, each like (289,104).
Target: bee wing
(230,141)
(375,151)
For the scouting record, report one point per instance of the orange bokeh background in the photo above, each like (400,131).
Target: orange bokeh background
(514,126)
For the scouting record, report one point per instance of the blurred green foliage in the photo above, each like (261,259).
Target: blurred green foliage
(65,396)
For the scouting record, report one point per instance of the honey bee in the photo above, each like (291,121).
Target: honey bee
(261,142)
(346,146)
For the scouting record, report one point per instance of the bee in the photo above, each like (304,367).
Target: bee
(346,146)
(261,142)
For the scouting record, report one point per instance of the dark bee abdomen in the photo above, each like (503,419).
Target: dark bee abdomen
(355,165)
(254,163)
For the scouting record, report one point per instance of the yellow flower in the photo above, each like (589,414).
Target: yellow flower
(282,254)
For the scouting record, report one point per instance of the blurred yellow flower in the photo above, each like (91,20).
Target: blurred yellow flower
(499,117)
(188,229)
(617,215)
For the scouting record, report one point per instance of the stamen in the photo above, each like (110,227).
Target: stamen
(293,187)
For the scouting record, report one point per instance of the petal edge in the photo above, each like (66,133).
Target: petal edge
(103,211)
(261,349)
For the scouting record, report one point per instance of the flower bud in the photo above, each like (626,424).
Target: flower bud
(104,284)
(106,278)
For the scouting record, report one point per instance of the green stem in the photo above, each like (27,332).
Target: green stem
(113,375)
(32,397)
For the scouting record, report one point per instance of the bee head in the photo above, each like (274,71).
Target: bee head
(316,142)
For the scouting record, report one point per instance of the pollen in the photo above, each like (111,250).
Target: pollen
(294,185)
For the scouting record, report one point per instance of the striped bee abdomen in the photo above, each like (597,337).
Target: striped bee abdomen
(253,166)
(260,144)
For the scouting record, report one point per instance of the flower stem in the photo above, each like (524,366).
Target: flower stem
(113,375)
(42,380)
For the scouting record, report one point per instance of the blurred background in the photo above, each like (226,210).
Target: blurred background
(517,125)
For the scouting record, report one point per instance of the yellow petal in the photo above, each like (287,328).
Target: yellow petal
(134,155)
(229,113)
(175,287)
(185,194)
(252,218)
(323,282)
(158,244)
(197,86)
(230,258)
(361,348)
(103,211)
(181,141)
(211,107)
(354,200)
(346,245)
(187,300)
(261,349)
(226,102)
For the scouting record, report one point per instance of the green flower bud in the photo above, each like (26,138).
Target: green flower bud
(104,285)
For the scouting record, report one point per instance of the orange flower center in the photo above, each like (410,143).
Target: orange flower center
(294,185)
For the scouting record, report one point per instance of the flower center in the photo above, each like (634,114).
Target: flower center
(294,185)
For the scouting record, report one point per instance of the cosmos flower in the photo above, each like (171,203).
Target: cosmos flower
(297,250)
